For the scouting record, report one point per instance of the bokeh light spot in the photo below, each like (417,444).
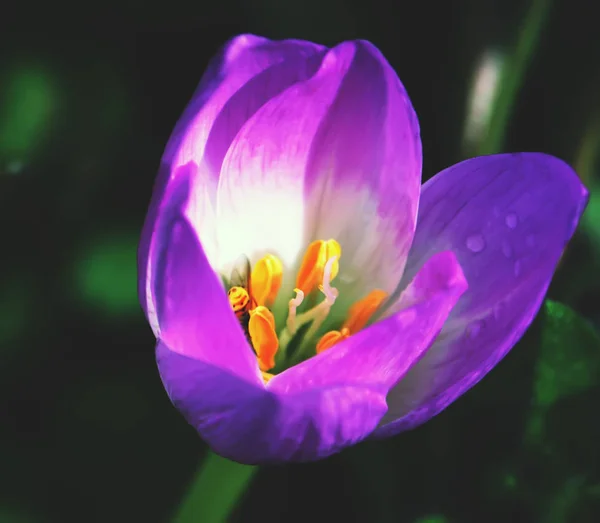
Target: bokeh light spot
(106,275)
(28,101)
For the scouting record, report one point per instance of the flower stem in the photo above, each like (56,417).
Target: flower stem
(214,491)
(526,44)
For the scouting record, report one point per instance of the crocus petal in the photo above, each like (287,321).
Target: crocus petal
(320,406)
(508,218)
(247,72)
(251,425)
(336,156)
(193,311)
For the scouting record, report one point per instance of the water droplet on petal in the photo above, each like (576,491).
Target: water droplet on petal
(473,329)
(506,249)
(475,243)
(511,220)
(517,268)
(530,241)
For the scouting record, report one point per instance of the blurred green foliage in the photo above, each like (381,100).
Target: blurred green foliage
(28,101)
(106,274)
(569,359)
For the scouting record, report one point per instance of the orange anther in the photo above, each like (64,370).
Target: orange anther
(266,279)
(261,328)
(360,313)
(330,338)
(313,264)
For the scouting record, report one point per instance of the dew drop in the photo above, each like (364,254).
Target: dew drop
(511,220)
(506,249)
(473,329)
(517,268)
(475,243)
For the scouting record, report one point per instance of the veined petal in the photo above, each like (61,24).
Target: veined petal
(363,177)
(508,218)
(336,156)
(247,72)
(239,61)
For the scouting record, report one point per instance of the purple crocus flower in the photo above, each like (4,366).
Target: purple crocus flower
(363,303)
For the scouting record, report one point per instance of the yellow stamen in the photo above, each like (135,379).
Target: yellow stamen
(313,264)
(265,279)
(261,328)
(330,338)
(321,311)
(361,312)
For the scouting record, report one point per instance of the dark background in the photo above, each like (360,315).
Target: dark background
(89,94)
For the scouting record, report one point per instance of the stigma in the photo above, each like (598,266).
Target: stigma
(253,291)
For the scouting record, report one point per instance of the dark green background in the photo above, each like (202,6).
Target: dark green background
(89,94)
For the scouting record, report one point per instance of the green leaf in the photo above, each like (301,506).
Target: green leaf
(214,491)
(568,363)
(569,360)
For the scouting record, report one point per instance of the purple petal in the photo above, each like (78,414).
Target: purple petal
(271,66)
(246,73)
(192,308)
(508,218)
(337,156)
(255,426)
(321,406)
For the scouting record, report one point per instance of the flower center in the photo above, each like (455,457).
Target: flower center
(252,292)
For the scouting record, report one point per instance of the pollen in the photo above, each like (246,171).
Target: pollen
(313,264)
(266,279)
(263,335)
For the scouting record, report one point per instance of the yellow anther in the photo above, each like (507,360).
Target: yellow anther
(261,328)
(266,279)
(313,264)
(267,377)
(330,338)
(362,311)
